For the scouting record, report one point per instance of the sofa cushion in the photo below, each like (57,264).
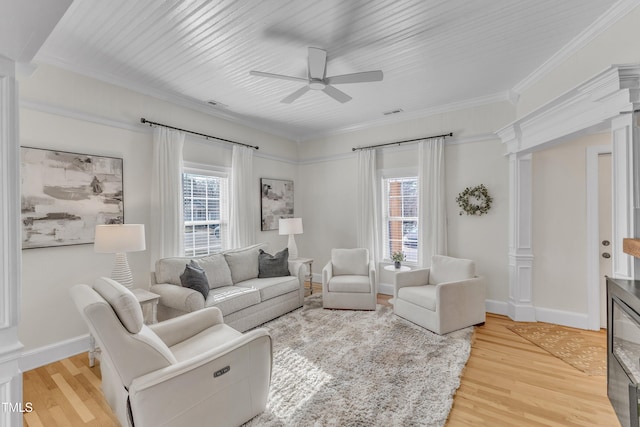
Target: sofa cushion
(448,269)
(230,299)
(169,270)
(350,283)
(217,270)
(424,296)
(272,287)
(350,261)
(243,262)
(195,278)
(123,301)
(273,265)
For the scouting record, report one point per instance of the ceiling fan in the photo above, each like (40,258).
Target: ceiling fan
(317,80)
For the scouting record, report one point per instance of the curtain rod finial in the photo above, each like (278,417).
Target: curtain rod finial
(143,120)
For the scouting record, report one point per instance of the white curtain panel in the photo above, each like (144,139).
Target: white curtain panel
(166,229)
(242,222)
(368,209)
(432,214)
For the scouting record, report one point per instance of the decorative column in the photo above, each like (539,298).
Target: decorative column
(625,159)
(10,252)
(520,304)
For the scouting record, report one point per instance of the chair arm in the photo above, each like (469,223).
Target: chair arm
(239,368)
(180,328)
(373,280)
(418,277)
(184,299)
(460,294)
(327,274)
(296,270)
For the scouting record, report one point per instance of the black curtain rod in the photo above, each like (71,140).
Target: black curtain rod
(402,142)
(143,120)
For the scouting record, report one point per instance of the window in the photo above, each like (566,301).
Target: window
(400,221)
(204,205)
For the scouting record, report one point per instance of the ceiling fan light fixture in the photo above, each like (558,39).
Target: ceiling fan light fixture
(317,84)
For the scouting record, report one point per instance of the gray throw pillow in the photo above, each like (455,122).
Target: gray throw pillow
(273,265)
(195,278)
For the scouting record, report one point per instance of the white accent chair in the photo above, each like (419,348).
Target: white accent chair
(192,370)
(443,298)
(349,280)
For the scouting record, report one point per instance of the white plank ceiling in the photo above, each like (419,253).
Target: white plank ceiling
(432,52)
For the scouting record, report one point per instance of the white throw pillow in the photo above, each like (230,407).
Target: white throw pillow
(217,270)
(448,269)
(243,263)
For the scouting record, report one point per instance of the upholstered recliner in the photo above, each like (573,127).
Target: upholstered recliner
(349,280)
(191,370)
(443,298)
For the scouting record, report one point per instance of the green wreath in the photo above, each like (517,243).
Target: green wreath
(480,194)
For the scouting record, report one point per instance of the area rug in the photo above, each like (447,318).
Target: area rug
(567,345)
(360,368)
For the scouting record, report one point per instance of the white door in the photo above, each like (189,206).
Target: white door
(605,228)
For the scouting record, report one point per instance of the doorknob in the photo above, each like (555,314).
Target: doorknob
(605,243)
(606,255)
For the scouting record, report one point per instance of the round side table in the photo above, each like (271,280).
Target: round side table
(397,270)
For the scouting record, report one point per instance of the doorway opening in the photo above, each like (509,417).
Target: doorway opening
(599,232)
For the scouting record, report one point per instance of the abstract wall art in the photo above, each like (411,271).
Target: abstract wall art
(276,201)
(65,195)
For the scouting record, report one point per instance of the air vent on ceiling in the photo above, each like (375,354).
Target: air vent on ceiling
(396,111)
(217,104)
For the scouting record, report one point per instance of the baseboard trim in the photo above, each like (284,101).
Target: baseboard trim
(41,356)
(561,317)
(496,307)
(385,288)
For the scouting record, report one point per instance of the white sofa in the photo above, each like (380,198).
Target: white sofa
(245,300)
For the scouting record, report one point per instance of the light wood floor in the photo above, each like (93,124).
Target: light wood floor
(507,382)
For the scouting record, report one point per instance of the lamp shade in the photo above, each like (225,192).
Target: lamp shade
(290,226)
(119,238)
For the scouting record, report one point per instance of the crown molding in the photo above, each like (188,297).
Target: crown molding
(590,105)
(167,96)
(603,23)
(412,115)
(57,110)
(136,126)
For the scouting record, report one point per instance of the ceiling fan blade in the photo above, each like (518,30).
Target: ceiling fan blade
(367,76)
(277,76)
(336,94)
(295,95)
(317,63)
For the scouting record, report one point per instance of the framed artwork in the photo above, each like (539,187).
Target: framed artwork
(64,196)
(276,201)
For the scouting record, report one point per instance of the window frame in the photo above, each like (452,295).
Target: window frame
(208,171)
(384,175)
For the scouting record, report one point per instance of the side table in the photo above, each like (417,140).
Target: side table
(396,270)
(144,297)
(309,275)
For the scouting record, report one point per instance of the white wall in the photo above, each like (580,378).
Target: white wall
(328,187)
(617,45)
(105,121)
(560,225)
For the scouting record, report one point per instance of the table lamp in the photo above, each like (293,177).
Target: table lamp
(291,226)
(119,239)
